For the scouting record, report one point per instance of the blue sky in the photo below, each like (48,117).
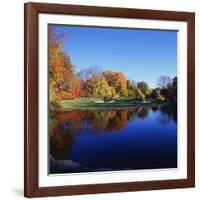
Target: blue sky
(139,54)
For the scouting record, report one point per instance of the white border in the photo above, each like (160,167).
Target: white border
(120,176)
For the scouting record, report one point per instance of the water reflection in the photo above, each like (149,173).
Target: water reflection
(69,130)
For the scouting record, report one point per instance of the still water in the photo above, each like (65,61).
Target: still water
(143,137)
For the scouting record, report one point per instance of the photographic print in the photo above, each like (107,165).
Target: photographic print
(112,99)
(108,99)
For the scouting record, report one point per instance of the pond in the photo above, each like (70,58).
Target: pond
(134,138)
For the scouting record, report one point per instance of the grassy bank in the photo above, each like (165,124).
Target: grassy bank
(91,103)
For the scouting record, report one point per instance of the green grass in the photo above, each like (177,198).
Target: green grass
(89,103)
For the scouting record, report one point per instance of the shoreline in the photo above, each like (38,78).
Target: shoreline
(111,107)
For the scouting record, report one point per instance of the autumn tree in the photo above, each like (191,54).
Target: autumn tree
(97,86)
(116,80)
(75,89)
(89,85)
(102,89)
(137,94)
(144,87)
(85,76)
(60,67)
(62,79)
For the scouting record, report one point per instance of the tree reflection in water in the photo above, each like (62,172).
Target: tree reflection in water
(168,114)
(64,127)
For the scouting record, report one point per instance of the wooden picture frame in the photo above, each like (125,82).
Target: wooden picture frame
(31,105)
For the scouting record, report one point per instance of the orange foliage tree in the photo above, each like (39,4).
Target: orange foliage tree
(97,86)
(118,81)
(62,79)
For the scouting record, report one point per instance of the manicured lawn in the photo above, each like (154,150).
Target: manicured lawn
(91,103)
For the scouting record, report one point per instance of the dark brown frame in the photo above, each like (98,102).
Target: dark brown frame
(32,10)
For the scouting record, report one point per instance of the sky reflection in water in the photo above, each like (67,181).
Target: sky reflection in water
(130,138)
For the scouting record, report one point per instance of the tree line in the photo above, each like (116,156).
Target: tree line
(65,83)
